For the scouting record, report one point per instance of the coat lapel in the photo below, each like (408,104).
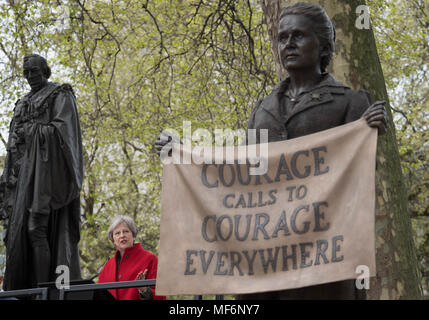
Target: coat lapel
(271,104)
(310,100)
(320,94)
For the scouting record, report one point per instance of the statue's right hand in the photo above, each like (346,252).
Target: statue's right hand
(3,212)
(164,142)
(5,227)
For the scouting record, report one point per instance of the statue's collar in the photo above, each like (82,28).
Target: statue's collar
(40,96)
(328,82)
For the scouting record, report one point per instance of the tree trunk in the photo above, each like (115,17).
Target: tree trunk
(357,65)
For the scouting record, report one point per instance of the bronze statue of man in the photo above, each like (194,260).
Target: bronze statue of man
(41,182)
(308,101)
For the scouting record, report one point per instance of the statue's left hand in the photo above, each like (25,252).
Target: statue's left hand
(376,116)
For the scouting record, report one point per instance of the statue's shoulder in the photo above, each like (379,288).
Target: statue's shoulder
(62,88)
(23,98)
(337,86)
(330,80)
(20,105)
(67,87)
(359,96)
(278,89)
(269,103)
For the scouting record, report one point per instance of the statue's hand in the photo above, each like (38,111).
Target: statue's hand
(3,212)
(376,116)
(5,227)
(164,142)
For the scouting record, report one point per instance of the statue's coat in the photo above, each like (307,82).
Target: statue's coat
(43,173)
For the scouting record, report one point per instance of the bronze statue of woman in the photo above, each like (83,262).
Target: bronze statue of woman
(308,101)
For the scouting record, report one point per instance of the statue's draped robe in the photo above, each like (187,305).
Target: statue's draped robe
(43,173)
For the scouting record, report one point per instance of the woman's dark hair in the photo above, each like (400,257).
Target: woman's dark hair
(43,63)
(323,26)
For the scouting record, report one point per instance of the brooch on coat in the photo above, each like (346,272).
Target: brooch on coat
(316,96)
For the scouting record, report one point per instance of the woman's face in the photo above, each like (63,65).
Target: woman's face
(299,46)
(122,237)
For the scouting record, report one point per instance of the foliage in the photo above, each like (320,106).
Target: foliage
(137,67)
(402,33)
(140,66)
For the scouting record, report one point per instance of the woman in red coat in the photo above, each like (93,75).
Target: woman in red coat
(130,262)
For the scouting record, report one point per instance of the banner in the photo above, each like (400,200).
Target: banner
(310,219)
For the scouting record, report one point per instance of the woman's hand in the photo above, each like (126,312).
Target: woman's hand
(145,292)
(376,116)
(142,276)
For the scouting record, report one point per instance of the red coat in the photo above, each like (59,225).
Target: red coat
(134,260)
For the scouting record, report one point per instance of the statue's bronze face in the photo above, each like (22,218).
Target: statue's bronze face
(33,72)
(299,46)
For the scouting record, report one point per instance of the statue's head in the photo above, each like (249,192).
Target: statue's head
(36,71)
(307,27)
